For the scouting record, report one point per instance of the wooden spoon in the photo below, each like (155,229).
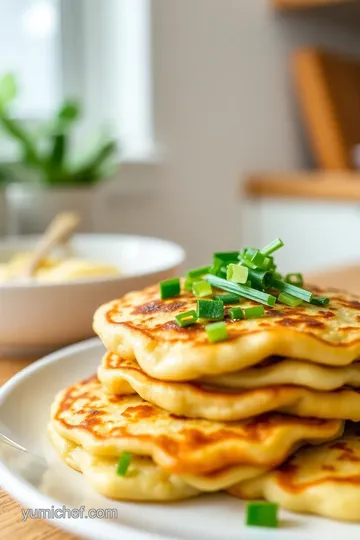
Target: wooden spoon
(59,230)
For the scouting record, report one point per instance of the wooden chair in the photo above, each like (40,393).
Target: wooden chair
(328,89)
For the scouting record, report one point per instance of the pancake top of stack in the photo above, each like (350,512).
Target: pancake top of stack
(143,326)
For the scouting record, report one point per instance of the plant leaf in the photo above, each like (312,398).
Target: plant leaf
(8,90)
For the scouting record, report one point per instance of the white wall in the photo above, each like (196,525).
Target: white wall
(223,106)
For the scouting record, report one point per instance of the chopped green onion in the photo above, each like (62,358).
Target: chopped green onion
(241,290)
(258,258)
(123,463)
(212,310)
(186,319)
(273,246)
(226,256)
(320,301)
(237,273)
(201,289)
(261,278)
(261,514)
(254,312)
(267,264)
(216,332)
(198,272)
(289,299)
(246,262)
(295,279)
(216,268)
(169,288)
(293,290)
(236,314)
(277,275)
(188,284)
(228,298)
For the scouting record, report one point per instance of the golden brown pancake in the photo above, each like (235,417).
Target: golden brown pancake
(321,480)
(278,371)
(207,455)
(142,326)
(144,481)
(196,400)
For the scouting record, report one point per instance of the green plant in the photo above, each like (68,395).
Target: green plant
(46,152)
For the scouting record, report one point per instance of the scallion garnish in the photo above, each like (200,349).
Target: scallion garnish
(241,290)
(273,246)
(228,298)
(236,314)
(320,301)
(227,256)
(211,310)
(169,288)
(216,332)
(198,272)
(254,312)
(201,289)
(293,290)
(123,463)
(261,514)
(186,319)
(237,273)
(261,278)
(246,262)
(295,279)
(289,300)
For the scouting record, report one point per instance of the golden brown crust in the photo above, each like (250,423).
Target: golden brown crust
(108,425)
(142,325)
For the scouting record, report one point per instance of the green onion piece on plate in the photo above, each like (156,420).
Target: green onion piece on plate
(289,299)
(241,290)
(295,279)
(236,314)
(254,312)
(320,301)
(228,298)
(211,310)
(293,290)
(216,332)
(198,272)
(273,246)
(123,463)
(169,288)
(261,514)
(188,284)
(187,318)
(237,273)
(201,289)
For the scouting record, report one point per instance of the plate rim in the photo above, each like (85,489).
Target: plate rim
(27,495)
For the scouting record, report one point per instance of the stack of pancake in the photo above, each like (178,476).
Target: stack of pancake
(260,414)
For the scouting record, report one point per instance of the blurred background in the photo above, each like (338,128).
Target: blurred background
(212,124)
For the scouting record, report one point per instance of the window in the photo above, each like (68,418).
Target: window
(95,50)
(29,32)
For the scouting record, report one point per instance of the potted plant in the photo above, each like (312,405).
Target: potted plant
(49,176)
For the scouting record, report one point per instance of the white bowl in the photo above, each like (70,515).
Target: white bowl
(40,317)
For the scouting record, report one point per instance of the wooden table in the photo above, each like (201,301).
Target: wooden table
(10,512)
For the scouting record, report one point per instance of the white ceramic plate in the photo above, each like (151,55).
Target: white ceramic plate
(39,317)
(24,411)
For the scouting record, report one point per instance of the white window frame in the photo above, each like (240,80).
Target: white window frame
(105,45)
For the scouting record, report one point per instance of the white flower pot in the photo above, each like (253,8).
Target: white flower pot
(2,212)
(30,209)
